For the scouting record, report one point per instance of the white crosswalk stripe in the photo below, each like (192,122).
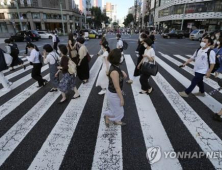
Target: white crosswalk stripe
(108,151)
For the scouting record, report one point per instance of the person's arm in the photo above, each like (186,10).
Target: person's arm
(190,59)
(212,63)
(82,54)
(70,45)
(46,58)
(31,58)
(115,78)
(8,49)
(138,67)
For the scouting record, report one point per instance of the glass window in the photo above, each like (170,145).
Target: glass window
(218,6)
(190,8)
(2,16)
(44,16)
(178,9)
(64,17)
(35,15)
(3,28)
(201,7)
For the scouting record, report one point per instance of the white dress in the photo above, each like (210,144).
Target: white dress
(103,80)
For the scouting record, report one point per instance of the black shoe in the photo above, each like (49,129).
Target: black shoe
(76,97)
(62,101)
(24,67)
(52,90)
(45,82)
(217,117)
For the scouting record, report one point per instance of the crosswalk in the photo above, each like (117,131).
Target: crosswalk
(162,119)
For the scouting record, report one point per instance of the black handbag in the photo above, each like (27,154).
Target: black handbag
(149,69)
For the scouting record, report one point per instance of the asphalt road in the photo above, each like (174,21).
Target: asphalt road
(38,133)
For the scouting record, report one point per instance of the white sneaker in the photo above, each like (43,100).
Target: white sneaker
(6,89)
(10,83)
(102,92)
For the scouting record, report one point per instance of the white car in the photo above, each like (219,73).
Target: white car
(44,34)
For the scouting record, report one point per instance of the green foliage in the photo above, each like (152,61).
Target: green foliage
(97,17)
(129,18)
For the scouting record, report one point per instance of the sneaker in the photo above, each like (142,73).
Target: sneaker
(199,94)
(7,89)
(217,117)
(102,92)
(183,94)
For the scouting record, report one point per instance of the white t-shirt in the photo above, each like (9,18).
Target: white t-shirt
(201,60)
(51,57)
(53,38)
(34,56)
(149,53)
(119,44)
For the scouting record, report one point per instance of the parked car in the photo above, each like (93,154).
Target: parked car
(196,34)
(45,34)
(94,34)
(186,33)
(174,34)
(20,36)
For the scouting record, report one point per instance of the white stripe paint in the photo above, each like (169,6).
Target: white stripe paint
(22,81)
(184,59)
(189,56)
(208,81)
(209,101)
(53,150)
(14,136)
(109,143)
(14,74)
(10,105)
(201,132)
(6,71)
(152,128)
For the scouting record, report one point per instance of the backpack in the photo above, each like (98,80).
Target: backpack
(14,50)
(125,45)
(40,58)
(57,39)
(217,63)
(72,67)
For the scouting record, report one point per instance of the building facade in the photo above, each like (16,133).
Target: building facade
(111,11)
(97,3)
(201,14)
(38,15)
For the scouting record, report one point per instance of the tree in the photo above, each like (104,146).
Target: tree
(129,18)
(98,17)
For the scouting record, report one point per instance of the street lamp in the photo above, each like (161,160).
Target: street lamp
(184,10)
(17,7)
(62,18)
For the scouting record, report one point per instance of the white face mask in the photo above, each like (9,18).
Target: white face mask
(59,52)
(145,45)
(217,36)
(141,39)
(202,44)
(212,38)
(218,42)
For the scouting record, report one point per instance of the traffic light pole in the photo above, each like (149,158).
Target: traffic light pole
(17,7)
(63,28)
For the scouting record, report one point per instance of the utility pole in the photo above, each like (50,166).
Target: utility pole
(135,6)
(184,10)
(63,28)
(17,7)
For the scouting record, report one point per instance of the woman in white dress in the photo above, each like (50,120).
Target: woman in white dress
(103,80)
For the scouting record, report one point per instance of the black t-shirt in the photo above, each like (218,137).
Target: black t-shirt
(111,85)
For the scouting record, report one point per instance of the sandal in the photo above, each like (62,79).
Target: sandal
(107,124)
(119,123)
(129,81)
(76,97)
(143,92)
(62,101)
(150,92)
(52,90)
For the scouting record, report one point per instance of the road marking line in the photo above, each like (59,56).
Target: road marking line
(201,132)
(53,150)
(14,74)
(109,143)
(153,131)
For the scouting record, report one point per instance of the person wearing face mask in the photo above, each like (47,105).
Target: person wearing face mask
(52,59)
(204,64)
(101,42)
(102,80)
(35,59)
(67,82)
(148,56)
(218,51)
(141,49)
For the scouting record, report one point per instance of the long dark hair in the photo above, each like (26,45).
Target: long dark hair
(220,40)
(70,37)
(106,46)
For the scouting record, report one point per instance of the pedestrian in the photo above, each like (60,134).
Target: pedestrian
(52,59)
(5,62)
(55,42)
(83,65)
(103,39)
(149,57)
(102,80)
(35,60)
(71,43)
(28,41)
(141,50)
(67,82)
(12,49)
(202,67)
(218,52)
(115,98)
(152,37)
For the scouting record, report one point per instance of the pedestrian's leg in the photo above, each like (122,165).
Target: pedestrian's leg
(144,82)
(194,82)
(201,84)
(3,81)
(76,92)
